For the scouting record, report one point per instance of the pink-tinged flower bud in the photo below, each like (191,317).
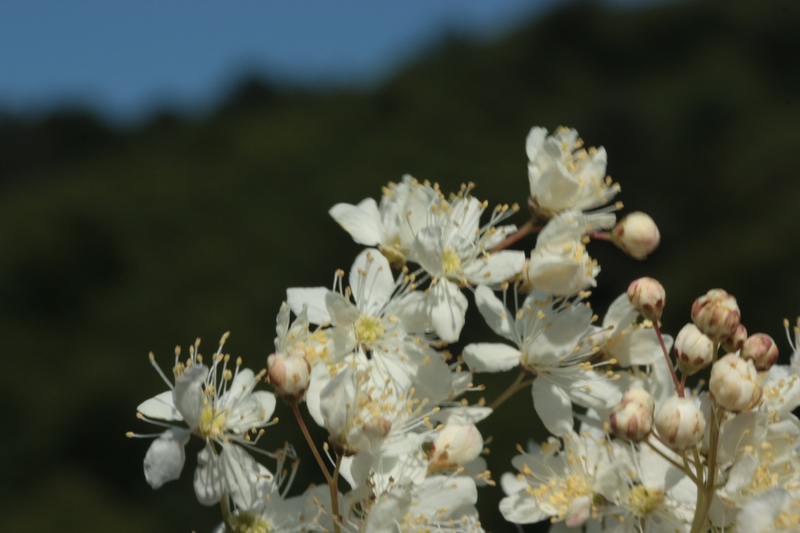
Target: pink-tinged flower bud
(289,375)
(734,384)
(716,314)
(638,394)
(693,350)
(648,297)
(761,349)
(735,342)
(680,423)
(636,235)
(631,421)
(456,445)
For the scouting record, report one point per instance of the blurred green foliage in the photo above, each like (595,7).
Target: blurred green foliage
(117,242)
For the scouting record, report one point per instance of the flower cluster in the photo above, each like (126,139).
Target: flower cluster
(634,448)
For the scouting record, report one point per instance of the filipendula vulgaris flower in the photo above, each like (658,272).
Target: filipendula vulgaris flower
(454,249)
(560,264)
(220,406)
(559,484)
(376,324)
(551,341)
(563,175)
(391,227)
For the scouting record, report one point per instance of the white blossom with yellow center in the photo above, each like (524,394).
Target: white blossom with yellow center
(563,175)
(550,341)
(391,226)
(373,318)
(558,484)
(454,250)
(220,406)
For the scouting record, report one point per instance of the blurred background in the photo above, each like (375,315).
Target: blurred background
(166,170)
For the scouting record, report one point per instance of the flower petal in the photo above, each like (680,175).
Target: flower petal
(188,395)
(495,314)
(427,250)
(362,221)
(208,480)
(311,298)
(371,281)
(553,406)
(161,407)
(496,268)
(490,357)
(448,306)
(165,457)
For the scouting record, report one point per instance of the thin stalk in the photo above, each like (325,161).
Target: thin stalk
(672,461)
(704,497)
(311,444)
(518,384)
(678,386)
(337,518)
(599,235)
(331,481)
(523,231)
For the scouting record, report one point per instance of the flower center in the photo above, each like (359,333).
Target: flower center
(451,263)
(645,500)
(212,422)
(249,522)
(369,328)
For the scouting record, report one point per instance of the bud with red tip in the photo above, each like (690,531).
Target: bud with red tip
(289,374)
(648,297)
(693,350)
(735,342)
(680,423)
(761,349)
(636,235)
(734,384)
(716,314)
(632,419)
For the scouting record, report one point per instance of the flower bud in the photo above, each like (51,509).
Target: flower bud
(648,297)
(693,350)
(761,349)
(638,394)
(636,235)
(734,384)
(735,342)
(289,375)
(631,421)
(716,314)
(680,423)
(456,445)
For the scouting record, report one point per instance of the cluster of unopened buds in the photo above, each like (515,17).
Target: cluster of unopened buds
(634,447)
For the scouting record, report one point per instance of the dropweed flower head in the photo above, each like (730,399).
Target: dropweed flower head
(680,423)
(648,297)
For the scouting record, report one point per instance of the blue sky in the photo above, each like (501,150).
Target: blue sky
(126,57)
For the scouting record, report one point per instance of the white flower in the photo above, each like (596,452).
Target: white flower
(219,406)
(454,250)
(378,323)
(391,227)
(774,511)
(444,504)
(364,412)
(563,175)
(560,264)
(551,342)
(558,484)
